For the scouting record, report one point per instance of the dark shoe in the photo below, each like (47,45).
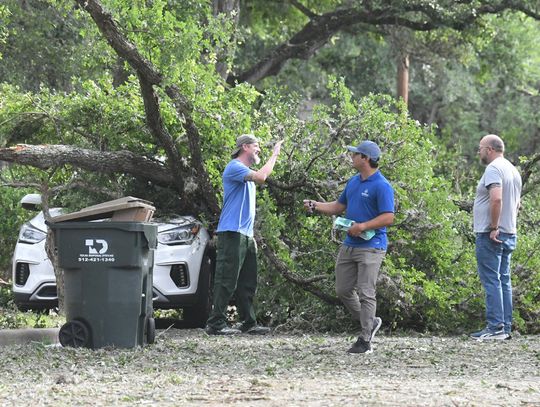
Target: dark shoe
(377,322)
(223,331)
(256,330)
(360,346)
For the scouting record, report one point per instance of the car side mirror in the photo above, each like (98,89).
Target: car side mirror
(31,202)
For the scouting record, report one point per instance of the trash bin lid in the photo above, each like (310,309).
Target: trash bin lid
(127,209)
(149,230)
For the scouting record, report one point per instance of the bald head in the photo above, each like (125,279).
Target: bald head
(493,141)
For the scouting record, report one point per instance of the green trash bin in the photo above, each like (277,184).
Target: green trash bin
(107,283)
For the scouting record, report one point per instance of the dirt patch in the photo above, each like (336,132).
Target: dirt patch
(187,367)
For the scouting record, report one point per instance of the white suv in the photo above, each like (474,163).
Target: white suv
(183,266)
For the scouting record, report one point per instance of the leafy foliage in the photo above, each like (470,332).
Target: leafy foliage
(425,274)
(10,318)
(47,42)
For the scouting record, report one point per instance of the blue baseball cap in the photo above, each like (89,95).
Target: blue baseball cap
(368,148)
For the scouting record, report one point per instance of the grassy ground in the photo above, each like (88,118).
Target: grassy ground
(188,367)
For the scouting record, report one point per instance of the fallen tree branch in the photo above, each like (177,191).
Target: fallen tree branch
(305,284)
(160,132)
(148,77)
(104,162)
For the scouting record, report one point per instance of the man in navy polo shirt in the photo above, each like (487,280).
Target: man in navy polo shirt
(368,200)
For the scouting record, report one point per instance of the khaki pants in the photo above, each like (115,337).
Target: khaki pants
(357,270)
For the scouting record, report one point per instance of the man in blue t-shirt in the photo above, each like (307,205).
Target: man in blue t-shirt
(236,265)
(368,200)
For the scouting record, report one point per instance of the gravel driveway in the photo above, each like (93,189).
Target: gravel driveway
(187,367)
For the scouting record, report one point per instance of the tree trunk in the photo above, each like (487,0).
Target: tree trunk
(58,272)
(50,248)
(403,78)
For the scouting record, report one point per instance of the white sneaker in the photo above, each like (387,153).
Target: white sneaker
(377,322)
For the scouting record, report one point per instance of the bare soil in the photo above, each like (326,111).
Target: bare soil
(188,367)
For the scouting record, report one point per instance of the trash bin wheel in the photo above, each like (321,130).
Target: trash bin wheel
(74,334)
(150,330)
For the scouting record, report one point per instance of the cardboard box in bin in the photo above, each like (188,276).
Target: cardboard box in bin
(127,209)
(133,215)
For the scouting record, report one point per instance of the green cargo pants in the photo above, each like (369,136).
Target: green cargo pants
(236,273)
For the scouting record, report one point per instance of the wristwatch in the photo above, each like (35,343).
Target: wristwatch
(491,228)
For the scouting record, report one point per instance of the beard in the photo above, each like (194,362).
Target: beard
(256,159)
(484,161)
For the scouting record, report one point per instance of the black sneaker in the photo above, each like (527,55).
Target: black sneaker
(255,330)
(222,331)
(360,346)
(377,322)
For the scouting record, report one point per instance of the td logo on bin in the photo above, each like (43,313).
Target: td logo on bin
(96,251)
(99,242)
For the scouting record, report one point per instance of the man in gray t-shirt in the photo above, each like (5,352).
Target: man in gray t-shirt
(495,217)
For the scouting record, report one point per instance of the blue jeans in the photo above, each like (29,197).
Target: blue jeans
(493,260)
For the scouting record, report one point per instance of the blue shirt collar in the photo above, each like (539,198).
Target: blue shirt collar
(372,177)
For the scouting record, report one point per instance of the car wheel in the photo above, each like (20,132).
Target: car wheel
(35,310)
(197,315)
(24,308)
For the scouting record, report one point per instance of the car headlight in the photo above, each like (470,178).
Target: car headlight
(179,235)
(29,234)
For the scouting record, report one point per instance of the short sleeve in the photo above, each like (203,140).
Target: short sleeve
(236,171)
(343,197)
(385,198)
(492,176)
